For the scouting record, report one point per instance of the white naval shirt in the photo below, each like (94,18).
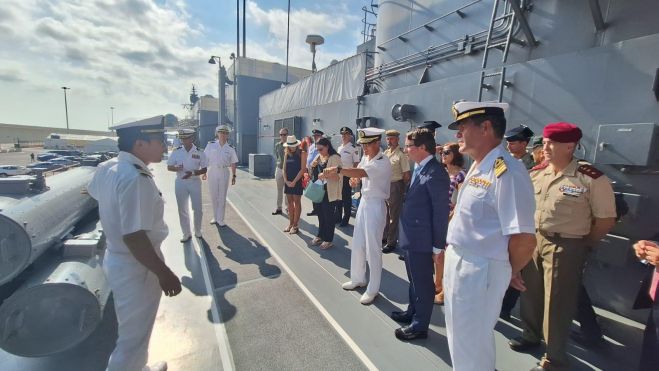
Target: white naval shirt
(376,185)
(128,201)
(490,209)
(349,155)
(191,160)
(218,156)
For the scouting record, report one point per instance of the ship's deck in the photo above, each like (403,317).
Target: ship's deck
(277,303)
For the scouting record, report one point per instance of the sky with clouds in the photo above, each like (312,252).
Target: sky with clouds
(142,56)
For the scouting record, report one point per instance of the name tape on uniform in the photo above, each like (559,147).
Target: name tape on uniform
(573,191)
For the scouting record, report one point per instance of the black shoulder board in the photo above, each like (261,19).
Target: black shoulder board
(141,170)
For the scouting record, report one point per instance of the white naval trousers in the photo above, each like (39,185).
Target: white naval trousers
(367,243)
(136,294)
(279,179)
(188,189)
(218,185)
(473,292)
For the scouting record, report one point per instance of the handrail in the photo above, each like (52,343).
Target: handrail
(456,11)
(443,51)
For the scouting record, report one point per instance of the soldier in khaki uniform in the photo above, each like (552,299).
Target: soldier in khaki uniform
(400,176)
(575,208)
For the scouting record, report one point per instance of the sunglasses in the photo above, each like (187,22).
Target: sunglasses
(282,135)
(446,153)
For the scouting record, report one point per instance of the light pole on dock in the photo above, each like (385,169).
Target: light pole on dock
(66,108)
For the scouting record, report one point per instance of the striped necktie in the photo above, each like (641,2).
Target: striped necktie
(417,171)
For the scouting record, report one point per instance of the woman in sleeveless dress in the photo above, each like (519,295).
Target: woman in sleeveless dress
(294,161)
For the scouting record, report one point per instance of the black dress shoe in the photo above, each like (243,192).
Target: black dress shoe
(407,333)
(311,213)
(343,224)
(388,248)
(402,317)
(519,344)
(277,212)
(401,257)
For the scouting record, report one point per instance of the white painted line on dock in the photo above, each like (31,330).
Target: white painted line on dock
(344,335)
(226,356)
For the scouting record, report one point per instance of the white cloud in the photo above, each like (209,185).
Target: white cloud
(133,54)
(303,22)
(140,56)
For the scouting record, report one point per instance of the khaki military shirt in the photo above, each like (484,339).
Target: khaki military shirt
(399,163)
(567,202)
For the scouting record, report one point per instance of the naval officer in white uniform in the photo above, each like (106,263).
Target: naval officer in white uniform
(222,160)
(189,163)
(490,238)
(131,212)
(349,159)
(374,172)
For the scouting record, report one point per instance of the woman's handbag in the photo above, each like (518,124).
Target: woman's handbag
(315,191)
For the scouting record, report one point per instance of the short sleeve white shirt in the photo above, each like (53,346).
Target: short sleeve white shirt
(128,201)
(378,170)
(220,156)
(194,159)
(349,155)
(489,208)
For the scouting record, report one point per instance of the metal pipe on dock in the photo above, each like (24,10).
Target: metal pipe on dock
(32,223)
(55,310)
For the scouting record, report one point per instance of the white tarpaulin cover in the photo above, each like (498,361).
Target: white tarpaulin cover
(266,70)
(343,80)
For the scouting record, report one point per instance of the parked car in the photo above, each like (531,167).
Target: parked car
(64,162)
(9,170)
(103,156)
(46,165)
(66,152)
(46,156)
(73,158)
(91,160)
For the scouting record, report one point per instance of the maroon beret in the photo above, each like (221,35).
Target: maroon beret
(562,132)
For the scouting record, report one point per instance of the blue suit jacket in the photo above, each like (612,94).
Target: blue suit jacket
(424,218)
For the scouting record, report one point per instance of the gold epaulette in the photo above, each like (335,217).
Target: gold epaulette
(500,167)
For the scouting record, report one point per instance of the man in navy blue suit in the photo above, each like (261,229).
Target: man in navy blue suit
(422,232)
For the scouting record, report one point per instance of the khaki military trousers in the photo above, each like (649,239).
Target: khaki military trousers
(394,206)
(548,305)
